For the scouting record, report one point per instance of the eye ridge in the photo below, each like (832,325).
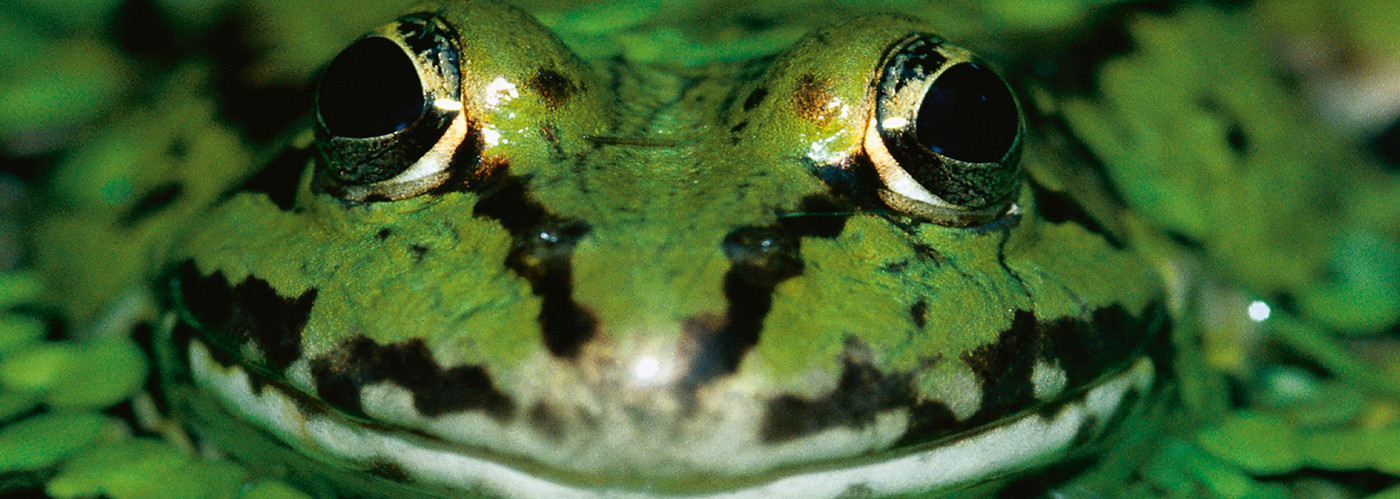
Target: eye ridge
(946,133)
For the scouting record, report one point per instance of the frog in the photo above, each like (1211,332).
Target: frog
(495,266)
(497,261)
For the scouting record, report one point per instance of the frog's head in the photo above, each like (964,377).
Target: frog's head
(501,268)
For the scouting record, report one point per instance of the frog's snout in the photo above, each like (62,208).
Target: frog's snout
(640,365)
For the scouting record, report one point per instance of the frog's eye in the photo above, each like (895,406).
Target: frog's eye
(388,112)
(945,137)
(371,89)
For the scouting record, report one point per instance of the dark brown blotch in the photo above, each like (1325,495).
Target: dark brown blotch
(854,180)
(251,312)
(755,98)
(918,313)
(862,393)
(541,252)
(760,259)
(1086,349)
(812,98)
(859,490)
(546,421)
(820,216)
(418,251)
(1110,337)
(553,87)
(184,335)
(1004,367)
(341,373)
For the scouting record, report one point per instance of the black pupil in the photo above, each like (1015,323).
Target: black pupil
(370,89)
(969,115)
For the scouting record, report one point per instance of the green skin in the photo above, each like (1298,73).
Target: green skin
(662,164)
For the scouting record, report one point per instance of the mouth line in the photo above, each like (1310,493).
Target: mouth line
(299,420)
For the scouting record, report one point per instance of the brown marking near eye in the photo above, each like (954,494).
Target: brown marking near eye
(813,100)
(488,167)
(553,87)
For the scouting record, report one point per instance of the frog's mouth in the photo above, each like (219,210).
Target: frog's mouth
(217,387)
(510,452)
(345,444)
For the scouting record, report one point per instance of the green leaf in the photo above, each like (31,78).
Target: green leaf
(145,469)
(1345,450)
(94,471)
(36,369)
(274,490)
(18,331)
(1385,447)
(13,403)
(44,440)
(1260,443)
(18,288)
(102,374)
(219,479)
